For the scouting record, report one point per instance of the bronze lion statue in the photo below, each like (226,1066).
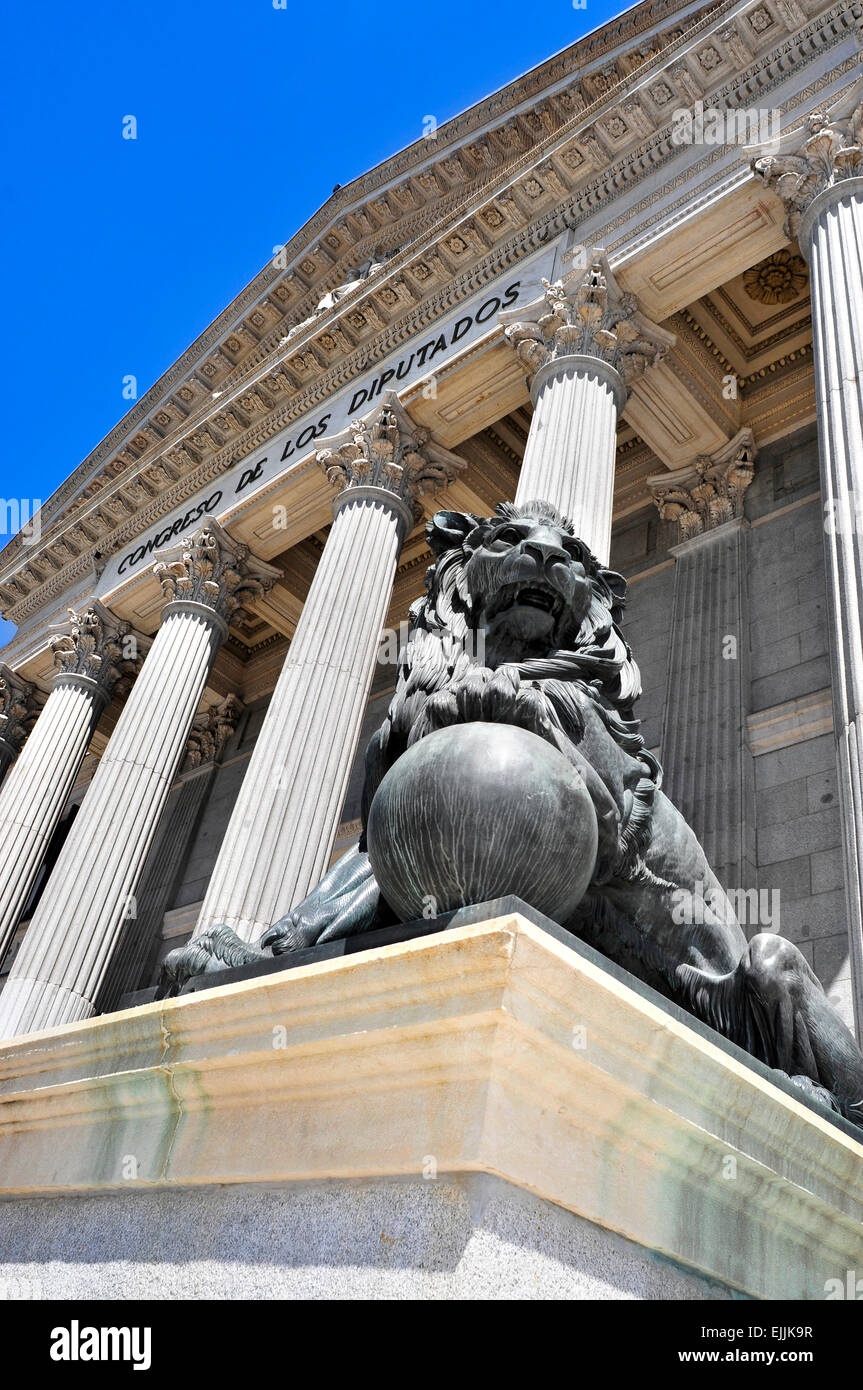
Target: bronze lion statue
(520,624)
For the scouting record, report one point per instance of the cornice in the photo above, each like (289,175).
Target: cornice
(186,471)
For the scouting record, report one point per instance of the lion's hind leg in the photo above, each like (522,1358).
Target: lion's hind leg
(774,1006)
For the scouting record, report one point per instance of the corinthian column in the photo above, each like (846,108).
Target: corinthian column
(583,342)
(19,707)
(63,961)
(90,656)
(821,184)
(707,766)
(280,836)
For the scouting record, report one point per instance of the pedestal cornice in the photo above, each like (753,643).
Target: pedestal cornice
(196,1090)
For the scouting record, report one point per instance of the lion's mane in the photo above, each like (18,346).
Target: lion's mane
(439,661)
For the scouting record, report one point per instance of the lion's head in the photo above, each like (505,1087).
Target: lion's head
(516,608)
(520,588)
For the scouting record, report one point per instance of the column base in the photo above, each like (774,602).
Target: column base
(421,1108)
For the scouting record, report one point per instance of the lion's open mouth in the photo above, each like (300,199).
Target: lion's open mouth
(540,596)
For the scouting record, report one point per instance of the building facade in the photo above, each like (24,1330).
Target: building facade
(199,658)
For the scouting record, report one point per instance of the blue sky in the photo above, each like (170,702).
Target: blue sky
(117,253)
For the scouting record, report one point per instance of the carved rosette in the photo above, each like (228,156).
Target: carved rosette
(829,153)
(211,730)
(212,570)
(95,646)
(710,492)
(386,451)
(19,708)
(587,314)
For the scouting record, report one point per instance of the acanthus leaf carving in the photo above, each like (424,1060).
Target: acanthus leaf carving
(211,730)
(586,313)
(96,646)
(19,708)
(710,491)
(386,450)
(830,152)
(213,570)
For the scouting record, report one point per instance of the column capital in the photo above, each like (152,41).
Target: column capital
(94,649)
(385,454)
(823,160)
(586,315)
(19,707)
(214,575)
(211,729)
(709,492)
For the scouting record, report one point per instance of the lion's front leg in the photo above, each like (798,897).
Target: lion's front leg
(346,901)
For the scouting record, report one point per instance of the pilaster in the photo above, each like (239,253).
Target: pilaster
(707,765)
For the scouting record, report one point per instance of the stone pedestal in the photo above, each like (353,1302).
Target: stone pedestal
(821,183)
(91,656)
(583,342)
(408,1121)
(67,951)
(280,836)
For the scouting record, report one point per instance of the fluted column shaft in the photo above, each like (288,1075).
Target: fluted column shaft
(836,263)
(37,788)
(281,833)
(280,836)
(58,971)
(571,445)
(69,946)
(91,654)
(707,766)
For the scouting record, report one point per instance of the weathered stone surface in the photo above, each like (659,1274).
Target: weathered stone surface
(459,1236)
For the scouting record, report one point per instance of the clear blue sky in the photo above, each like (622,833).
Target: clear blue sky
(117,253)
